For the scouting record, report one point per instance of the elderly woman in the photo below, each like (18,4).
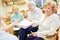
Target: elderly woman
(16,16)
(48,24)
(34,15)
(3,28)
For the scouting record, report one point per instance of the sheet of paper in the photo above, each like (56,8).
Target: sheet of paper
(25,23)
(16,28)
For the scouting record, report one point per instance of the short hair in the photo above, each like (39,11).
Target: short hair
(52,4)
(14,7)
(32,2)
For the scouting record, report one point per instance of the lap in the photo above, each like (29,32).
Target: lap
(28,30)
(33,29)
(38,38)
(34,38)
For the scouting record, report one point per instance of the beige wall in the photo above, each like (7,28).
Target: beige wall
(58,1)
(4,10)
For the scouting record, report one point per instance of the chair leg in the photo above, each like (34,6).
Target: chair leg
(57,37)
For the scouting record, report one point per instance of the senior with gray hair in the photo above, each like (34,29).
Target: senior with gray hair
(34,15)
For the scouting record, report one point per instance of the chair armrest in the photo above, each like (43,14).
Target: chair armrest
(48,36)
(59,34)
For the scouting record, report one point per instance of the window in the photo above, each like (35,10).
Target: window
(39,3)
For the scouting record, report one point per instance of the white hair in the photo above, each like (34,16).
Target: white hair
(32,2)
(15,6)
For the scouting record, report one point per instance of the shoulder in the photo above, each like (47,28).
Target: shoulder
(38,9)
(55,16)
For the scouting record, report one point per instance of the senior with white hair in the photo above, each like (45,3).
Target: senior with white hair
(34,15)
(48,24)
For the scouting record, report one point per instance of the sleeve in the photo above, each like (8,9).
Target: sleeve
(53,29)
(38,16)
(39,13)
(22,18)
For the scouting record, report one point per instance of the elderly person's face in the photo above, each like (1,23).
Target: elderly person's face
(15,10)
(31,7)
(50,7)
(48,10)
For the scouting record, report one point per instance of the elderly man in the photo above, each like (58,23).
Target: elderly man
(34,15)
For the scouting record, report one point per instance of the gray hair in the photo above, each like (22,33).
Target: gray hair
(32,2)
(15,6)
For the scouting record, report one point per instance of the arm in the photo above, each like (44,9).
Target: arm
(54,26)
(7,27)
(53,29)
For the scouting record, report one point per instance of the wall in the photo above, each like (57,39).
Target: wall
(4,10)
